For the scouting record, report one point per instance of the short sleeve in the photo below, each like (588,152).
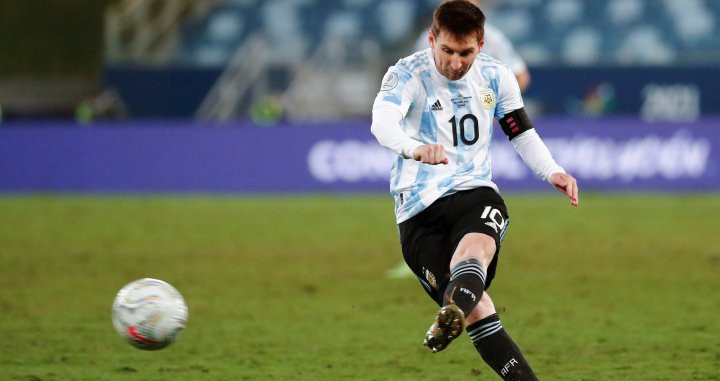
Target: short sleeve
(397,90)
(509,97)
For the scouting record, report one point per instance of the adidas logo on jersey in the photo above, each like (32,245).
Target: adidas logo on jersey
(436,106)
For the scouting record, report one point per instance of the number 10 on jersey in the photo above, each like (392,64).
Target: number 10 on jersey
(461,125)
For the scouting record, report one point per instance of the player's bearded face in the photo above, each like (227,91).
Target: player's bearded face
(454,55)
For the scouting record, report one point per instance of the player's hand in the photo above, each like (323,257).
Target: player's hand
(567,184)
(431,154)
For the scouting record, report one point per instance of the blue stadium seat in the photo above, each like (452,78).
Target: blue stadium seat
(545,31)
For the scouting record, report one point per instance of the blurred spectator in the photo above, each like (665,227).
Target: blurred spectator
(268,110)
(106,105)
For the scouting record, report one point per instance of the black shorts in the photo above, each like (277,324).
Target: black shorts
(429,238)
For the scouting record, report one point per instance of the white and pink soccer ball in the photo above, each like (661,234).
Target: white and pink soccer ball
(149,313)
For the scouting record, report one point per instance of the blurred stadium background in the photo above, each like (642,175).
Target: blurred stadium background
(625,91)
(209,98)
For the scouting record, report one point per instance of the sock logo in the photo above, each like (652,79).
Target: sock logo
(469,293)
(506,369)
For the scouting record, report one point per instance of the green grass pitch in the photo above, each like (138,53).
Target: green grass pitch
(294,288)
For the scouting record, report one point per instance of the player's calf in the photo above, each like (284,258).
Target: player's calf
(499,350)
(466,286)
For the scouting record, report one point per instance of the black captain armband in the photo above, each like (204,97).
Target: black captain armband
(515,123)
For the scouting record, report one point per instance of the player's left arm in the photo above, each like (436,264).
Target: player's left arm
(565,183)
(518,128)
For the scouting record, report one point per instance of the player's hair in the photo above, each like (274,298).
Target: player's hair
(461,18)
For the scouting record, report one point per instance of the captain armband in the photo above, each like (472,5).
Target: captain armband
(515,123)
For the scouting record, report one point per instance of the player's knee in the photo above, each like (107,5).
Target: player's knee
(475,245)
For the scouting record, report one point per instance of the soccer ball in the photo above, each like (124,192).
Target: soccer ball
(149,313)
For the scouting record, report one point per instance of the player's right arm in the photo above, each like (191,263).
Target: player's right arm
(386,126)
(391,107)
(431,154)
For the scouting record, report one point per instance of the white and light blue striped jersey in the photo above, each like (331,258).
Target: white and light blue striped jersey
(457,114)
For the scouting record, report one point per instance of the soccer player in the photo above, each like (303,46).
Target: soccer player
(498,46)
(435,109)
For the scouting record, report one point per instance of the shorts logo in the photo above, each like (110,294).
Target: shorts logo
(389,82)
(497,221)
(431,278)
